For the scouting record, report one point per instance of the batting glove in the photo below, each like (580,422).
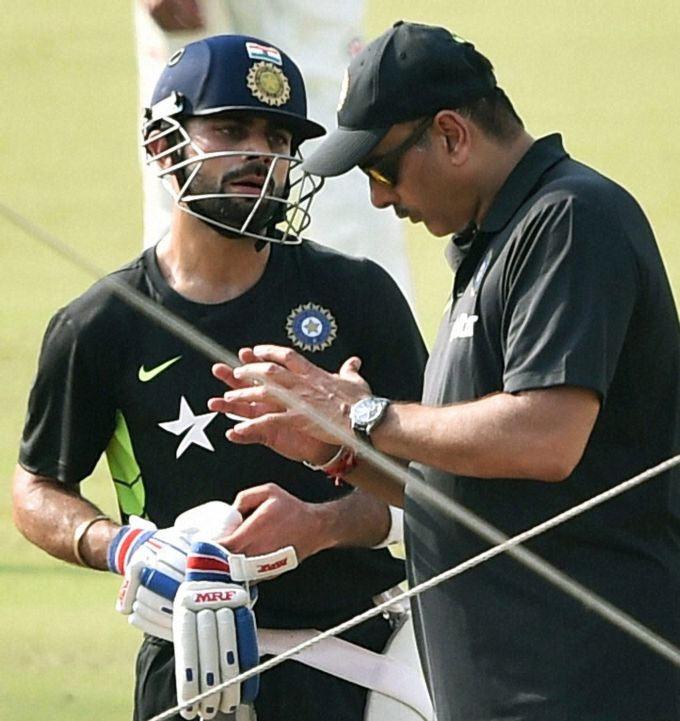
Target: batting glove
(153,562)
(215,636)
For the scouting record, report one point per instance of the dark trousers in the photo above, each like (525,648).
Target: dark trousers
(288,692)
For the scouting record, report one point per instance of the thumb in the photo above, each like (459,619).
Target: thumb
(350,368)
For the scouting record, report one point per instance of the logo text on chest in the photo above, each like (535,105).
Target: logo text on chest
(463,326)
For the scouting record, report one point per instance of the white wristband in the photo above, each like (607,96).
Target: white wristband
(396,532)
(328,464)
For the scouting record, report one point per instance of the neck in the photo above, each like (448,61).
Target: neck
(501,161)
(204,266)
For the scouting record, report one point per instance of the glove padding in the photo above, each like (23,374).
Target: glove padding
(215,636)
(153,562)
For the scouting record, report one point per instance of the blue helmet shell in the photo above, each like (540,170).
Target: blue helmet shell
(211,76)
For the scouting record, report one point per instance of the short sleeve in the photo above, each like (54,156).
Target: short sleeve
(570,287)
(394,358)
(70,415)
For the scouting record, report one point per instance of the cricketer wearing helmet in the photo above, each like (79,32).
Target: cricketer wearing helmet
(199,106)
(202,519)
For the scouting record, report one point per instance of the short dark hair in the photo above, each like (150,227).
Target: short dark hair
(492,112)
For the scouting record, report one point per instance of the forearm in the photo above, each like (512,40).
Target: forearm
(357,519)
(48,513)
(535,435)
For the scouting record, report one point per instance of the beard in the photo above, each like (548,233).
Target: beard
(233,211)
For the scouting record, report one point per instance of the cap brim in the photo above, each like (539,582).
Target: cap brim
(342,150)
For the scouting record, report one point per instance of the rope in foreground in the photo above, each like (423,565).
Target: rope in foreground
(511,546)
(502,544)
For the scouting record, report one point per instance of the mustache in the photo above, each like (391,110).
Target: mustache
(401,211)
(252,167)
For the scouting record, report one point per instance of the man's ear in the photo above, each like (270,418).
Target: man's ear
(156,145)
(454,131)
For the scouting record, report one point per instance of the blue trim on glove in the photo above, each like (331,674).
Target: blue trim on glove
(207,562)
(117,552)
(248,651)
(159,583)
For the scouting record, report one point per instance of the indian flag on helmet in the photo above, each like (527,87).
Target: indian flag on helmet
(263,52)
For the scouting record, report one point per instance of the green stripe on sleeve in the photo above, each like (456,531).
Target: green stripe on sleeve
(125,472)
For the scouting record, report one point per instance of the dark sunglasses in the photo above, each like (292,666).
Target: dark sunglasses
(385,170)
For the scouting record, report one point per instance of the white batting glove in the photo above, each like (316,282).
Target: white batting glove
(215,635)
(154,561)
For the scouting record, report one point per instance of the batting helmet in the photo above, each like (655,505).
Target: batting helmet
(232,73)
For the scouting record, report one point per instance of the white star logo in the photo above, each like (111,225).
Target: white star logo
(196,425)
(311,327)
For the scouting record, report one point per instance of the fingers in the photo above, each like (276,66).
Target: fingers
(245,403)
(350,368)
(248,500)
(275,519)
(247,538)
(254,535)
(225,373)
(286,357)
(246,355)
(174,15)
(259,430)
(239,410)
(265,374)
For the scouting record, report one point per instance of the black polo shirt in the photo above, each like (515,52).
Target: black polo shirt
(562,284)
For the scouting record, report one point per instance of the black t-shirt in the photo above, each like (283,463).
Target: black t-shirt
(110,379)
(561,285)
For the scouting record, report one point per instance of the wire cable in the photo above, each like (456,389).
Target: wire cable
(590,600)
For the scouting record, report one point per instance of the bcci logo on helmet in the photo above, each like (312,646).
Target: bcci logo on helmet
(268,84)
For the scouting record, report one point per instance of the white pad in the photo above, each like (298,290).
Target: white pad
(397,677)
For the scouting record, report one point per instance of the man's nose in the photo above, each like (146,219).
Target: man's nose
(382,196)
(258,145)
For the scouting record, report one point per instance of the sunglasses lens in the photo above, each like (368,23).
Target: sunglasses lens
(379,176)
(386,169)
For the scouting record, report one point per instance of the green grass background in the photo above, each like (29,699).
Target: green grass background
(604,74)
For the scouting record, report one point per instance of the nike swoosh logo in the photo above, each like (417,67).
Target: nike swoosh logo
(145,375)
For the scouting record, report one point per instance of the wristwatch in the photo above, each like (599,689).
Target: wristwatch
(366,414)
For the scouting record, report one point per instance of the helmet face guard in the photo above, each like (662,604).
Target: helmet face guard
(288,213)
(233,73)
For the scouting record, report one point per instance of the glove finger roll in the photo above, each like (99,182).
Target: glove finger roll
(208,661)
(186,659)
(229,662)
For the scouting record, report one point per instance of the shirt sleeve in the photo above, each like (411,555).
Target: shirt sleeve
(395,356)
(570,287)
(70,415)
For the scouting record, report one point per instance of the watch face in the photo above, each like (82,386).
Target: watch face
(367,410)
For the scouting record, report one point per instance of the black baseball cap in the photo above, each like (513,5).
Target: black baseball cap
(410,71)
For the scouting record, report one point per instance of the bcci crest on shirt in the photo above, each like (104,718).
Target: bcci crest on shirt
(311,327)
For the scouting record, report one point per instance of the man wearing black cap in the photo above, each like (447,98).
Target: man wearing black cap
(223,128)
(555,375)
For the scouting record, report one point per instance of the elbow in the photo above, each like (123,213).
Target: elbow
(556,472)
(555,464)
(19,498)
